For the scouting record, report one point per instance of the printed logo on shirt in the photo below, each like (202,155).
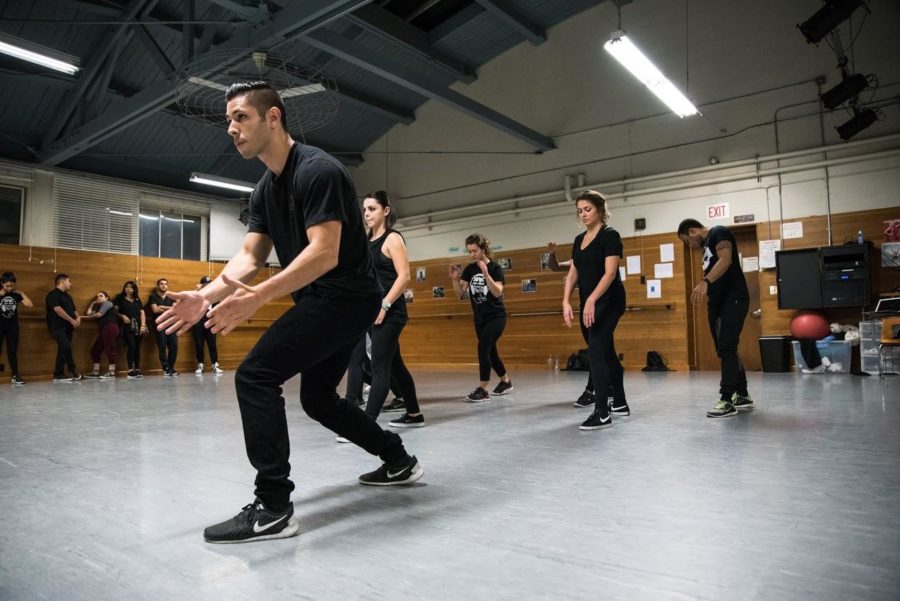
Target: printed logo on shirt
(478,289)
(8,307)
(707,257)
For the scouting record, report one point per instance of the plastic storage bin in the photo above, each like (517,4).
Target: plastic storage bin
(836,351)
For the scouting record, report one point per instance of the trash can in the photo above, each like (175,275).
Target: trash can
(775,353)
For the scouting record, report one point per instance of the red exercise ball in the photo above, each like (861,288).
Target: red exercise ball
(810,325)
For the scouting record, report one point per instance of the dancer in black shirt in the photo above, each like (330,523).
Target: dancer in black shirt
(10,301)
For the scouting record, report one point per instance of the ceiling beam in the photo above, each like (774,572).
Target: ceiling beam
(386,24)
(357,54)
(296,19)
(456,21)
(506,13)
(87,76)
(252,14)
(156,53)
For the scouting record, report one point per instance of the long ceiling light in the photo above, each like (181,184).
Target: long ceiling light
(630,56)
(40,55)
(312,88)
(221,182)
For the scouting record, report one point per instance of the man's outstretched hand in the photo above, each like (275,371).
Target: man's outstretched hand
(189,308)
(236,309)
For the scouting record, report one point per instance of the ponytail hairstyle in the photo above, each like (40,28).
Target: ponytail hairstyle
(381,197)
(599,202)
(481,242)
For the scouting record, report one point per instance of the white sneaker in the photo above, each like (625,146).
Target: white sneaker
(217,370)
(199,370)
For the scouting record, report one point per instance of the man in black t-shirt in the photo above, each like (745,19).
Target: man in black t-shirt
(306,206)
(167,344)
(62,319)
(723,282)
(10,300)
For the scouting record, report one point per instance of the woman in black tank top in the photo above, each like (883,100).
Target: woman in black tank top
(388,251)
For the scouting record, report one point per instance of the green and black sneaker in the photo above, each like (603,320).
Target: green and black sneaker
(742,402)
(722,409)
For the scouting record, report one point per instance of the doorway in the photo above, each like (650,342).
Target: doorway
(704,351)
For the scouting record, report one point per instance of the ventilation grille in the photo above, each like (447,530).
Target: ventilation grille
(91,214)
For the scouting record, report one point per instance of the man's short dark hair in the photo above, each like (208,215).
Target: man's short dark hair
(7,277)
(261,95)
(59,277)
(685,226)
(161,280)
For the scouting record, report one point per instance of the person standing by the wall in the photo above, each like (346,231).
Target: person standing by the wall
(202,335)
(167,344)
(134,325)
(10,301)
(62,319)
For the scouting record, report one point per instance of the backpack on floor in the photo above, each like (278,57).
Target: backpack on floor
(579,361)
(655,362)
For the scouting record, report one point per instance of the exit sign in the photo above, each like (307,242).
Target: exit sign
(718,211)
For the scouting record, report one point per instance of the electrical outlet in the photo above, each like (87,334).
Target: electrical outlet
(773,290)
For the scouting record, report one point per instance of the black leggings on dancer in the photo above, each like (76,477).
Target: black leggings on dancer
(11,334)
(488,334)
(387,365)
(359,371)
(132,347)
(607,372)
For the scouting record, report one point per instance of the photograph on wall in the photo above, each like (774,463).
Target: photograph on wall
(505,264)
(420,274)
(437,292)
(456,268)
(890,254)
(892,230)
(545,261)
(408,295)
(529,286)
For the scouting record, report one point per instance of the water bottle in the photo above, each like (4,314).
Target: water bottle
(859,238)
(555,363)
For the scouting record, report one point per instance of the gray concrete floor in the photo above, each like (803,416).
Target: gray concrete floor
(105,488)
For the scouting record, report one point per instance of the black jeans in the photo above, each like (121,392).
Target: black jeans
(607,373)
(201,335)
(62,334)
(167,345)
(726,320)
(387,365)
(10,332)
(132,347)
(488,334)
(315,338)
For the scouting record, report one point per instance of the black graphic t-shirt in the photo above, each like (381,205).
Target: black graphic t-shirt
(591,262)
(9,308)
(314,188)
(485,306)
(732,284)
(58,298)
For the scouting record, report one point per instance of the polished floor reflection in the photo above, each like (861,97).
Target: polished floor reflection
(105,488)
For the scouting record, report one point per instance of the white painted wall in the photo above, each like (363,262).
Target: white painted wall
(743,63)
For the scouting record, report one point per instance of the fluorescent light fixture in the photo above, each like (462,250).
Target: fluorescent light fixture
(150,217)
(221,182)
(40,55)
(630,56)
(123,213)
(208,83)
(312,88)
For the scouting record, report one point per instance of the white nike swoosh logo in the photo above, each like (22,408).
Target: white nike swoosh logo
(603,421)
(257,528)
(390,475)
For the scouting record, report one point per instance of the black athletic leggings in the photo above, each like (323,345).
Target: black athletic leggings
(315,338)
(606,370)
(203,334)
(387,364)
(167,342)
(10,332)
(360,370)
(488,334)
(132,347)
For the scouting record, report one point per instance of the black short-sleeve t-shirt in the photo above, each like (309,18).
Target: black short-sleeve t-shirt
(732,284)
(58,298)
(9,308)
(314,188)
(156,299)
(129,308)
(485,306)
(591,262)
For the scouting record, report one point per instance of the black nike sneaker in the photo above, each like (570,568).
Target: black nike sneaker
(392,475)
(254,522)
(599,419)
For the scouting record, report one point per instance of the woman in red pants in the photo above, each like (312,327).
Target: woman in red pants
(102,309)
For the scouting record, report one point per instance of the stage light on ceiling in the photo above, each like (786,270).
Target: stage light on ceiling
(860,121)
(850,87)
(827,18)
